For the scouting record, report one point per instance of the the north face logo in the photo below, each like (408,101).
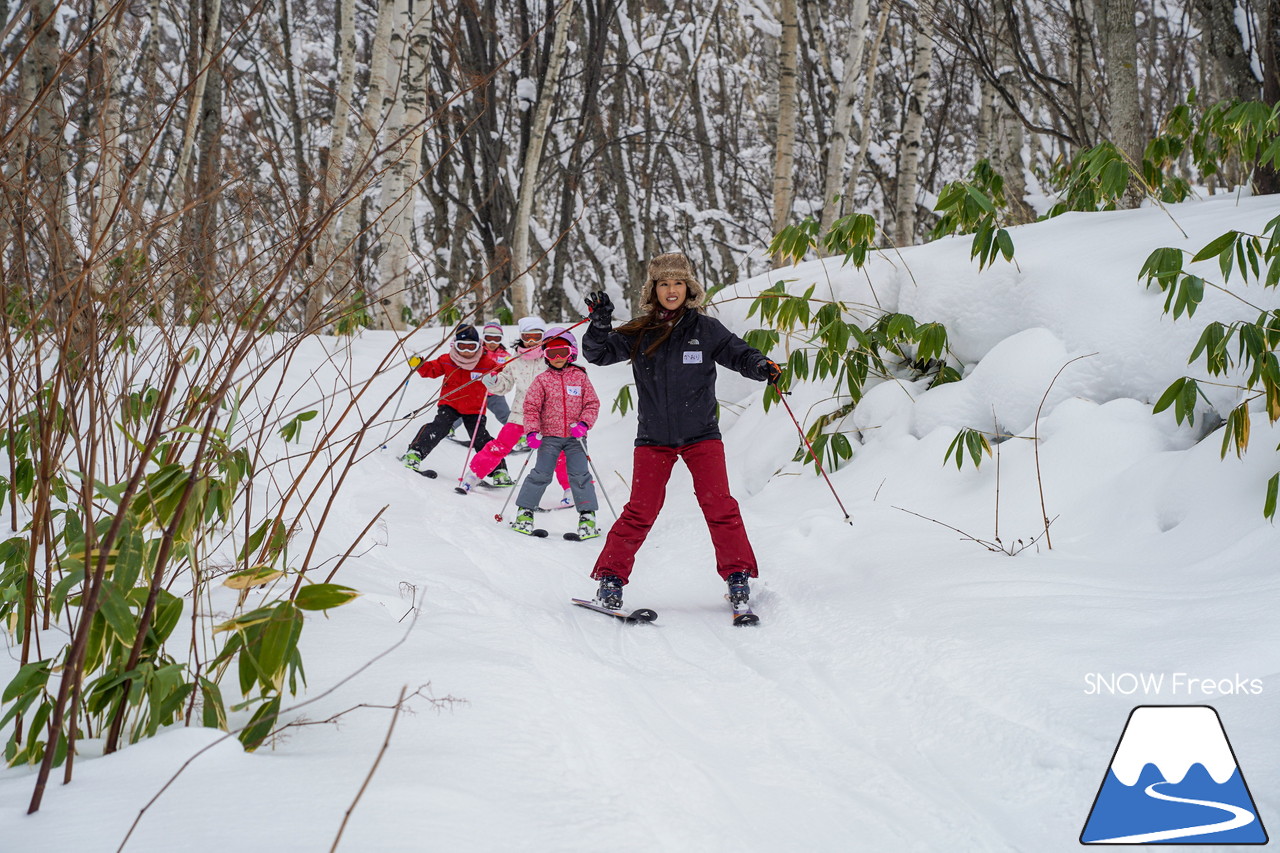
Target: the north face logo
(695,342)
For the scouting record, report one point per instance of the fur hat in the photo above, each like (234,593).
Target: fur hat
(559,333)
(672,266)
(532,324)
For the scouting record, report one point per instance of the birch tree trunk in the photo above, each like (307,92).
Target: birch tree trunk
(860,156)
(1121,55)
(347,217)
(105,205)
(147,79)
(201,196)
(842,124)
(913,127)
(50,209)
(784,159)
(343,101)
(194,113)
(533,160)
(1008,138)
(400,186)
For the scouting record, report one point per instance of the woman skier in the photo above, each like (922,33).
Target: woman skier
(674,348)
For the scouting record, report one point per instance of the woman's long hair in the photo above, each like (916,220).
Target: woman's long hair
(655,321)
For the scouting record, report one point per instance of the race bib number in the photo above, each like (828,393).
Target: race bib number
(694,357)
(477,374)
(573,390)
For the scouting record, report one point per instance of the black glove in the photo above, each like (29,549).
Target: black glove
(769,371)
(601,308)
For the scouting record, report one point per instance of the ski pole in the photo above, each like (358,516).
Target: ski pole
(599,482)
(471,445)
(782,396)
(498,517)
(396,414)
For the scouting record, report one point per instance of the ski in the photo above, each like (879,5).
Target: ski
(536,533)
(425,472)
(643,614)
(574,537)
(742,613)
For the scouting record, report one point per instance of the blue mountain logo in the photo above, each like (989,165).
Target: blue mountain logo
(1173,779)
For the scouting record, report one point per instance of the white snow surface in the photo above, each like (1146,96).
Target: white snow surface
(907,690)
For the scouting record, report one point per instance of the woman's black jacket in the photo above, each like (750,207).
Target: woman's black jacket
(676,386)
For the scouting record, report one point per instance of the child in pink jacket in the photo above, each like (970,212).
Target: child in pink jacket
(559,407)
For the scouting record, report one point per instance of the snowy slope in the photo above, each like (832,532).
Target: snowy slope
(908,690)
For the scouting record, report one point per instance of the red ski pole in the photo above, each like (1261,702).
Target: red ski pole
(814,456)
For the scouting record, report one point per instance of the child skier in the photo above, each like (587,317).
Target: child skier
(674,349)
(463,394)
(496,404)
(514,378)
(559,407)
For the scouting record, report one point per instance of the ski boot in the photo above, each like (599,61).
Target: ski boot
(587,525)
(567,500)
(609,595)
(522,446)
(524,522)
(501,478)
(468,483)
(411,459)
(739,589)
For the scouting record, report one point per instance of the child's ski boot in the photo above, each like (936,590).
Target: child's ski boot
(739,589)
(587,525)
(524,522)
(411,459)
(501,478)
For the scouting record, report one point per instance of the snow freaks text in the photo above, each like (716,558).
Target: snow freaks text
(1168,684)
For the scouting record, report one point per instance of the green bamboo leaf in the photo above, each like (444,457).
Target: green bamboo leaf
(1005,243)
(261,724)
(115,610)
(1273,491)
(981,200)
(213,712)
(30,677)
(1216,247)
(323,596)
(1170,395)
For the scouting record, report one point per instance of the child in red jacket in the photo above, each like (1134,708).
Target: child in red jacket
(462,395)
(559,407)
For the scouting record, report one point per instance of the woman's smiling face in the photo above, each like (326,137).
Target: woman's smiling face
(671,294)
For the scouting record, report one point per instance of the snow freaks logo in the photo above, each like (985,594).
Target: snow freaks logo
(1175,684)
(1173,779)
